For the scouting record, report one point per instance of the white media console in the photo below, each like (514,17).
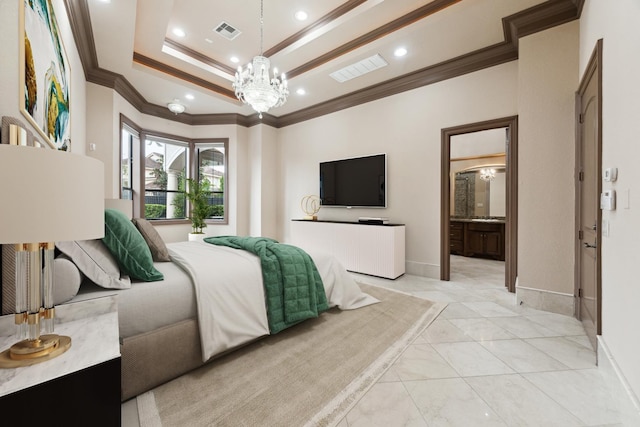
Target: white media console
(377,250)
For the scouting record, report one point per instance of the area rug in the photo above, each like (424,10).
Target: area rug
(309,375)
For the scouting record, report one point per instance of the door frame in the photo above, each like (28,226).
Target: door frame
(511,226)
(593,70)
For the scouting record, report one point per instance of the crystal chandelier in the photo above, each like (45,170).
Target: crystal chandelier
(253,85)
(487,174)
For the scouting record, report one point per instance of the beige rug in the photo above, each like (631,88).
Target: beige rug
(310,374)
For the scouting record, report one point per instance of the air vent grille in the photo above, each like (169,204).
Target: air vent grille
(359,68)
(227,31)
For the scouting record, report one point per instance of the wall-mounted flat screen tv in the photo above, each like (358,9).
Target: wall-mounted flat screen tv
(359,182)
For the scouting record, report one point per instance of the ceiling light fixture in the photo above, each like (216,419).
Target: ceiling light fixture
(253,85)
(401,51)
(179,32)
(301,91)
(175,107)
(190,97)
(301,15)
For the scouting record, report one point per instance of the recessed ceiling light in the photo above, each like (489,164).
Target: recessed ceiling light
(179,32)
(105,1)
(208,40)
(234,59)
(401,51)
(301,91)
(190,97)
(301,15)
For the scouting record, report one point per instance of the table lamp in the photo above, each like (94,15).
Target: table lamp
(45,196)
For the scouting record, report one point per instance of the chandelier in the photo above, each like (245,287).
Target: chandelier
(253,85)
(487,174)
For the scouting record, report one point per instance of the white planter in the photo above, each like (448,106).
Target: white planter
(196,237)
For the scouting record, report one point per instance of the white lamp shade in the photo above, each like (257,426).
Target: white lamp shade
(48,195)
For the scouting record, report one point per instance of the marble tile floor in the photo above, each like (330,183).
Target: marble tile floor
(485,361)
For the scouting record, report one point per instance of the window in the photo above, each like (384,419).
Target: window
(154,166)
(165,168)
(212,172)
(126,162)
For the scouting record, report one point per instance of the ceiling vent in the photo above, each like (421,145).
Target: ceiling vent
(359,68)
(227,31)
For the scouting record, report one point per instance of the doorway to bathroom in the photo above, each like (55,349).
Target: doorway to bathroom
(479,200)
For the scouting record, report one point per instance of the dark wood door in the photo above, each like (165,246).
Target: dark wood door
(493,243)
(475,242)
(588,189)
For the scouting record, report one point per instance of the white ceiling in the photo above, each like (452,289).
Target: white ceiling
(124,26)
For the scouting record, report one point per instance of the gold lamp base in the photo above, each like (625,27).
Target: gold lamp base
(30,352)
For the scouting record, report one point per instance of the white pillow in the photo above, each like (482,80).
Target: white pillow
(96,262)
(66,280)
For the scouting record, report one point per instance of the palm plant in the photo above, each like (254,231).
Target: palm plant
(196,193)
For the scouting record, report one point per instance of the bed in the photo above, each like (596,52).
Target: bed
(203,300)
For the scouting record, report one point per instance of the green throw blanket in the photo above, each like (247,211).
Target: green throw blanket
(293,287)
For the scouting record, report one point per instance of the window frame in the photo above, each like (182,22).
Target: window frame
(138,170)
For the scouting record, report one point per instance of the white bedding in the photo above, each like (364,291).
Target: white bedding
(230,294)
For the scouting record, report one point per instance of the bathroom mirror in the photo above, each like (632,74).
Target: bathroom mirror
(479,192)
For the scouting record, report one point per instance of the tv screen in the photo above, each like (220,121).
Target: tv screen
(355,182)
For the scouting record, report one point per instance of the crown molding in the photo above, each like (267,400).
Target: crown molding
(537,18)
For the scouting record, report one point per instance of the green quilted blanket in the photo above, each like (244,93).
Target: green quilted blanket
(293,287)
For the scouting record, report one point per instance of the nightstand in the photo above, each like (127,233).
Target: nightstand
(82,386)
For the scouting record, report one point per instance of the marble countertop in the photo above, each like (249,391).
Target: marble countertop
(481,220)
(93,328)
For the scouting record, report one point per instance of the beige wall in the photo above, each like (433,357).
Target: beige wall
(547,82)
(406,127)
(617,24)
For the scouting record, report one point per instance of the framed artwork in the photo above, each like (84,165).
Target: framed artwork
(44,74)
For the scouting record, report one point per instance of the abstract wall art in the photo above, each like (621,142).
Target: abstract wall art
(45,75)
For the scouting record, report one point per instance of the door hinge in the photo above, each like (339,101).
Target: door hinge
(579,234)
(580,118)
(580,293)
(581,176)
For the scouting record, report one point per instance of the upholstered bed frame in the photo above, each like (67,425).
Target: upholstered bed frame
(148,359)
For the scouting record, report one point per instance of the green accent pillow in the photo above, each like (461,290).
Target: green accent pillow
(128,247)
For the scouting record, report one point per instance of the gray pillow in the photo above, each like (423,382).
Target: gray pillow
(96,262)
(159,250)
(66,279)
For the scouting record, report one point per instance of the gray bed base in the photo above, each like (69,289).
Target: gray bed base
(148,359)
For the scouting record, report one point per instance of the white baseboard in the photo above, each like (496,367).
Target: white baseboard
(422,269)
(629,406)
(555,302)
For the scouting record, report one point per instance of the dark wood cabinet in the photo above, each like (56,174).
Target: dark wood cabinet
(456,238)
(477,239)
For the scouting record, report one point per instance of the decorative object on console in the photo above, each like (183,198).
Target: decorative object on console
(44,74)
(310,206)
(49,196)
(252,85)
(176,107)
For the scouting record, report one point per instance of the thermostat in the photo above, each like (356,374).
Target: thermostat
(611,174)
(608,200)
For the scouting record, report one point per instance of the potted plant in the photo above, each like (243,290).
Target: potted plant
(196,194)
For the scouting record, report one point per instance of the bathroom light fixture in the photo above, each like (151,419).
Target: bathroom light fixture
(253,85)
(487,174)
(175,107)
